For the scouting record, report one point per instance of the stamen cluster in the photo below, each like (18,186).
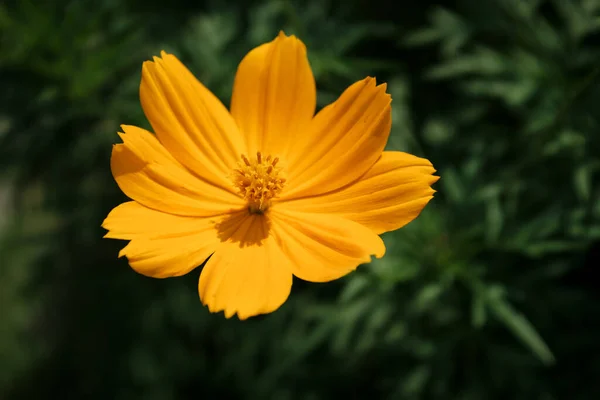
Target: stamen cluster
(258,181)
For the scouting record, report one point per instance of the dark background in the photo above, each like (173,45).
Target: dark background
(492,293)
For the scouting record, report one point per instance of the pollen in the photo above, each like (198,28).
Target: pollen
(258,181)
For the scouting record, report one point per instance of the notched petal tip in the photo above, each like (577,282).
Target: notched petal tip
(371,82)
(291,41)
(119,150)
(283,36)
(229,314)
(123,252)
(111,235)
(380,249)
(148,71)
(131,133)
(367,82)
(156,66)
(157,59)
(105,225)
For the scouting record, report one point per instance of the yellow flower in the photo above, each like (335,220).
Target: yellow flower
(266,191)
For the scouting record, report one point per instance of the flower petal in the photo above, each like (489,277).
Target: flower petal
(343,141)
(146,172)
(323,247)
(274,95)
(248,274)
(162,245)
(189,120)
(390,195)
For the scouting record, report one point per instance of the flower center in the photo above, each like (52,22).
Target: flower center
(258,181)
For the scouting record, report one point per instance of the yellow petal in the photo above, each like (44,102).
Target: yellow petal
(390,195)
(189,120)
(162,245)
(323,247)
(343,141)
(274,95)
(146,172)
(248,274)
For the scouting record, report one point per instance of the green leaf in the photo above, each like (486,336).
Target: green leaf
(438,132)
(552,246)
(415,382)
(582,180)
(453,187)
(354,287)
(426,297)
(478,311)
(483,62)
(494,219)
(518,325)
(422,37)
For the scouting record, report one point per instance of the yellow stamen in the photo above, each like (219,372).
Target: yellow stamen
(258,181)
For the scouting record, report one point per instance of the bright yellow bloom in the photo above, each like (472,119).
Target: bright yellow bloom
(268,190)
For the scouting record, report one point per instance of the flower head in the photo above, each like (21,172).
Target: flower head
(265,191)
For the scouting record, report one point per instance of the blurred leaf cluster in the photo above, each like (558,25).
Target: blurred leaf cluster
(489,294)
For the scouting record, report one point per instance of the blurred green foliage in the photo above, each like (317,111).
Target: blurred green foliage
(490,294)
